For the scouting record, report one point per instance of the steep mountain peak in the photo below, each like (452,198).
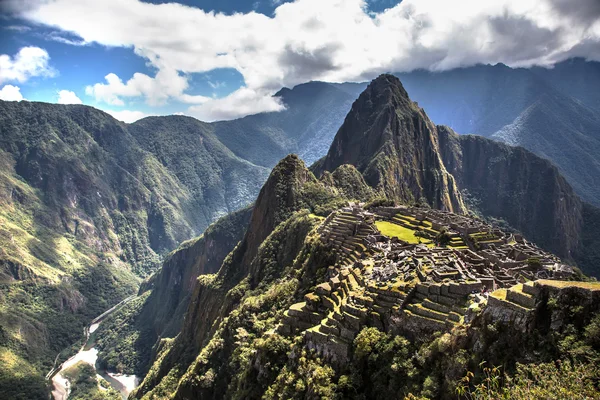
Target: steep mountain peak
(278,198)
(394,145)
(388,90)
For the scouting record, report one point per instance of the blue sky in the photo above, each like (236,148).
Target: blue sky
(223,59)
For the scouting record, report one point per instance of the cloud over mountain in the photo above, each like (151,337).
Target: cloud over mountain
(331,40)
(68,97)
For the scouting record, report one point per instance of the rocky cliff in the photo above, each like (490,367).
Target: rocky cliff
(174,283)
(390,140)
(513,184)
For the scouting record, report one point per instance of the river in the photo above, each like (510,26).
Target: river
(89,354)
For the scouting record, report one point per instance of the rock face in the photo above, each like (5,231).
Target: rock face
(174,282)
(390,140)
(552,112)
(514,184)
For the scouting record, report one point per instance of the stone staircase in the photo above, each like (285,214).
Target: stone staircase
(346,232)
(439,306)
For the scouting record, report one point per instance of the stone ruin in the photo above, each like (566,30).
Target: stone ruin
(414,289)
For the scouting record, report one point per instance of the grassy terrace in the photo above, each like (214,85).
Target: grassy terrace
(565,284)
(393,230)
(499,294)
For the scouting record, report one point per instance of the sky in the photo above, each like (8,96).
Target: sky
(224,59)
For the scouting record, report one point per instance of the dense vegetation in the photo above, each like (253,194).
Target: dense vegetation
(246,358)
(230,345)
(88,206)
(124,344)
(85,211)
(85,384)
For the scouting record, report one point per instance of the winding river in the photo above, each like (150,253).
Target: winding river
(89,354)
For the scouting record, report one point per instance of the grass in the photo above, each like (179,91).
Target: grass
(499,294)
(393,230)
(566,284)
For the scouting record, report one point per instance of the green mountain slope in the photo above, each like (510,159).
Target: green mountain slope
(86,211)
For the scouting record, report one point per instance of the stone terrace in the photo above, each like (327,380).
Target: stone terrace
(413,288)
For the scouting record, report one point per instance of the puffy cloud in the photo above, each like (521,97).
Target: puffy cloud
(127,116)
(243,101)
(28,62)
(167,83)
(68,97)
(11,93)
(331,40)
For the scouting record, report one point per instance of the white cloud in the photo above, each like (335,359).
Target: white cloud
(11,93)
(243,101)
(68,97)
(168,83)
(28,62)
(127,116)
(331,40)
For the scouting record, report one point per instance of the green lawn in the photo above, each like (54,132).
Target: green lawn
(392,230)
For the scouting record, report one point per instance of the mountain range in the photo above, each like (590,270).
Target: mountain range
(90,206)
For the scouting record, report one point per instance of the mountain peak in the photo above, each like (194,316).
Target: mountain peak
(388,82)
(277,200)
(395,146)
(386,90)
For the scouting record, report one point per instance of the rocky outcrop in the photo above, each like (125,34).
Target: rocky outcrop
(543,305)
(390,140)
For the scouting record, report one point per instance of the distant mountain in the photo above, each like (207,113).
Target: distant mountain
(560,129)
(554,112)
(314,113)
(576,78)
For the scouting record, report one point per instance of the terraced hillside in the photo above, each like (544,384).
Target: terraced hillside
(399,285)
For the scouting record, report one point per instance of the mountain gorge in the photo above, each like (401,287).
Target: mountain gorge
(87,211)
(298,310)
(91,205)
